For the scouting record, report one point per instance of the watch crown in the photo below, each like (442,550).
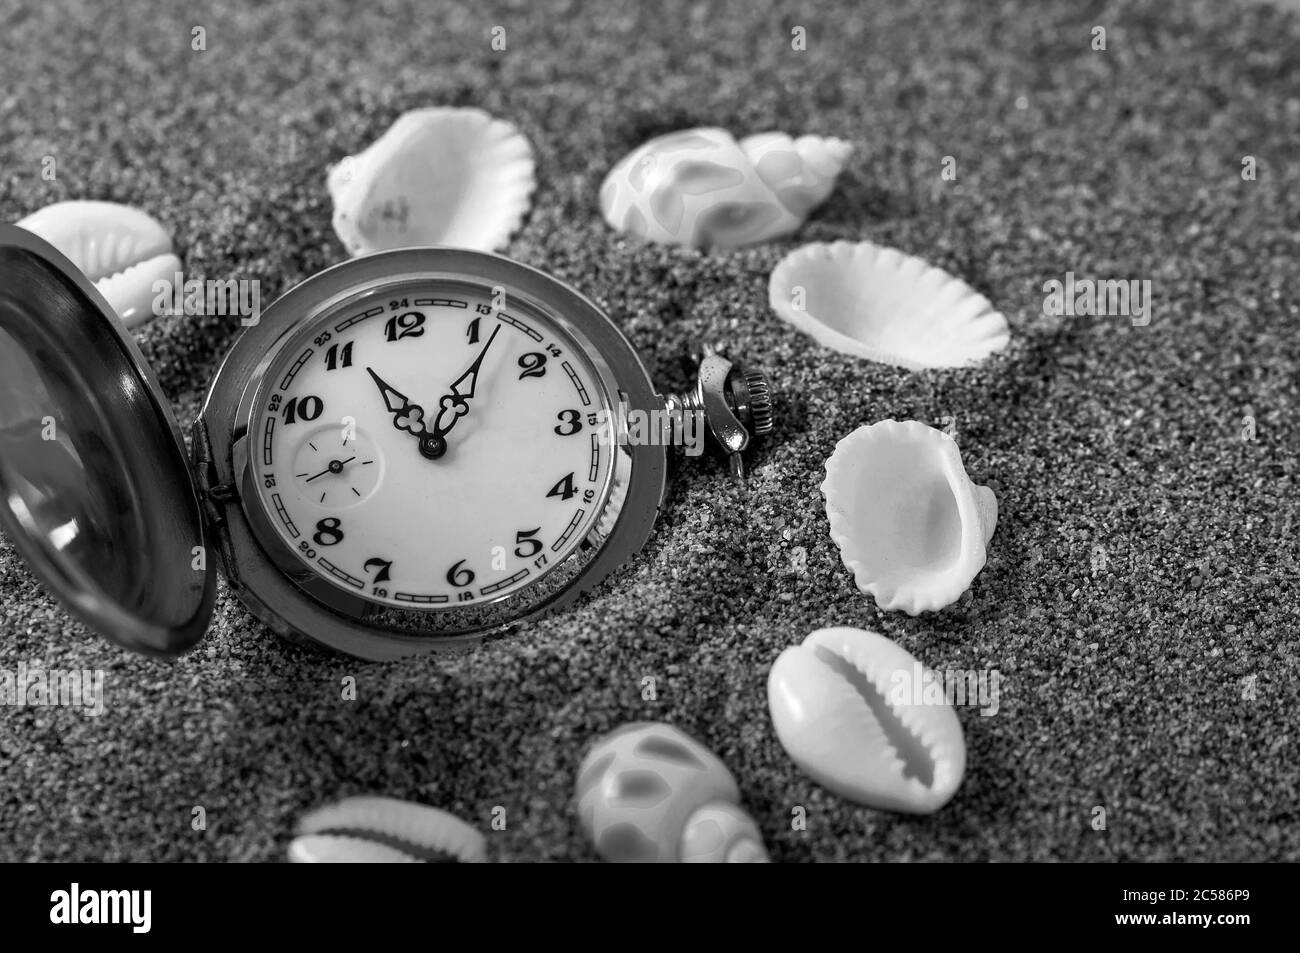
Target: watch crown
(735,406)
(759,393)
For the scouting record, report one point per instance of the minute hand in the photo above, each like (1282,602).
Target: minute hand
(455,403)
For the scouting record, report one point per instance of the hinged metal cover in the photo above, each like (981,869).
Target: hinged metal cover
(95,489)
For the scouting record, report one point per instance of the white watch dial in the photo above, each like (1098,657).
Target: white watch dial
(443,446)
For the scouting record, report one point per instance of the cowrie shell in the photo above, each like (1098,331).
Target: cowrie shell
(385,830)
(845,709)
(121,249)
(334,849)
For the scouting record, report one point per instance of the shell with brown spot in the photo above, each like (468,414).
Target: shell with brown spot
(649,793)
(701,187)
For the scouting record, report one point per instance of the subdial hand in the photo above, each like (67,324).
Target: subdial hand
(455,404)
(336,466)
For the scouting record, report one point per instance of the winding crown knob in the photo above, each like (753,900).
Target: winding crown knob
(736,406)
(753,400)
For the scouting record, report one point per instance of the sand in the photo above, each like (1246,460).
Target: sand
(1158,683)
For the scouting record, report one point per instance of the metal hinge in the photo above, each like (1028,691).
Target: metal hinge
(214,497)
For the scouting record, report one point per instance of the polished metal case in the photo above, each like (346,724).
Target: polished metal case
(295,601)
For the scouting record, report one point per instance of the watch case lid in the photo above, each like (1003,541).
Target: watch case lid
(96,492)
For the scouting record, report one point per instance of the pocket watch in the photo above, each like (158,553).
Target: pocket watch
(407,451)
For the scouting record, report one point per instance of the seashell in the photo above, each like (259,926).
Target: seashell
(121,249)
(334,849)
(701,187)
(880,304)
(846,709)
(911,526)
(383,830)
(438,176)
(647,792)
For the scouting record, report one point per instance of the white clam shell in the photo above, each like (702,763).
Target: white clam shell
(845,708)
(385,824)
(438,176)
(700,187)
(649,793)
(877,303)
(121,249)
(910,524)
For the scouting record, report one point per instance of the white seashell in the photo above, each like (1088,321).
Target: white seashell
(415,830)
(647,792)
(845,708)
(880,304)
(911,526)
(701,187)
(721,833)
(121,249)
(438,176)
(131,292)
(334,849)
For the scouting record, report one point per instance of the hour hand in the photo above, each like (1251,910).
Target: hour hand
(406,415)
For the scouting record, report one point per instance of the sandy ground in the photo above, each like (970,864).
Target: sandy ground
(1158,682)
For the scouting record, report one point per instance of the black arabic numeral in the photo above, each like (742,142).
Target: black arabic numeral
(408,325)
(334,359)
(328,532)
(302,408)
(483,308)
(524,537)
(383,564)
(459,577)
(564,489)
(571,419)
(533,363)
(473,331)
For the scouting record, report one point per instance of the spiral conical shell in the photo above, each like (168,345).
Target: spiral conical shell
(701,187)
(649,793)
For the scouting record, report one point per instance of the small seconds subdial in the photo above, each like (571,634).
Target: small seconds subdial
(438,445)
(337,465)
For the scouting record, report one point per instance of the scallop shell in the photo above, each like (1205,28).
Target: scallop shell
(880,304)
(846,710)
(119,248)
(701,187)
(910,524)
(383,830)
(648,792)
(438,176)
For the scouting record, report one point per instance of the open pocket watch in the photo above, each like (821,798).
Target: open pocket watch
(407,451)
